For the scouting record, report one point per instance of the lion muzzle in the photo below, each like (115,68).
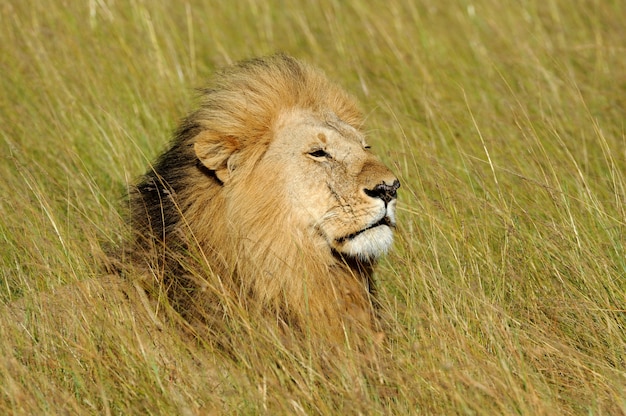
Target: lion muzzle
(384,191)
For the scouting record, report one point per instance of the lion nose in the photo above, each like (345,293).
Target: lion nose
(384,191)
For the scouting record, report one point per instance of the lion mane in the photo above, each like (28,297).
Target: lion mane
(269,196)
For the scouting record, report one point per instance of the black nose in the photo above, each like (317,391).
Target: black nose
(383,191)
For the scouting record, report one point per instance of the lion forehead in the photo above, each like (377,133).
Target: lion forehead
(297,129)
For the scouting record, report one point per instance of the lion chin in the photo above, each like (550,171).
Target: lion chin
(269,196)
(369,244)
(372,241)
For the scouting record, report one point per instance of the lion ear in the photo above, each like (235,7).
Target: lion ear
(214,151)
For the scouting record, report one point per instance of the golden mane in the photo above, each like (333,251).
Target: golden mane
(213,223)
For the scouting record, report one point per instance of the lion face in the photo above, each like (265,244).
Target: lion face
(339,192)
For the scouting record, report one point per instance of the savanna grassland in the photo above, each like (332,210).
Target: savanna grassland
(505,122)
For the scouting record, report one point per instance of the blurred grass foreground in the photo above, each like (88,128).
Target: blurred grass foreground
(505,121)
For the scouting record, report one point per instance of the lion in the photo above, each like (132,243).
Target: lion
(269,193)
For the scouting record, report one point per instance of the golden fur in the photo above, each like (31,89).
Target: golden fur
(269,195)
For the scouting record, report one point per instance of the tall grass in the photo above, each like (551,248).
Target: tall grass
(506,291)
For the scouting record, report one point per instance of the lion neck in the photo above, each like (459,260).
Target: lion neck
(285,271)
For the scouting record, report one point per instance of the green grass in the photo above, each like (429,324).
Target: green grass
(505,122)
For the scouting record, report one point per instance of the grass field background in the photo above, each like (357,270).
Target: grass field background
(505,122)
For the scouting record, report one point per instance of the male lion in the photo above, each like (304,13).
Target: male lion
(268,194)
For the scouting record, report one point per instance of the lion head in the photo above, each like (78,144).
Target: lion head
(269,192)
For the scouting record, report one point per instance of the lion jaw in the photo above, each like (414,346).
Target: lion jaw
(373,240)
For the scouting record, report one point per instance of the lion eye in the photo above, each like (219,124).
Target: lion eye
(320,153)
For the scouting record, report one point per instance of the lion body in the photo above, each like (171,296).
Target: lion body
(268,194)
